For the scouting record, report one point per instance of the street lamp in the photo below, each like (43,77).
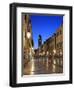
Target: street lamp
(28,35)
(54,51)
(32,48)
(47,52)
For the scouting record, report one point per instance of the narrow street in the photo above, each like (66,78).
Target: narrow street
(41,66)
(42,45)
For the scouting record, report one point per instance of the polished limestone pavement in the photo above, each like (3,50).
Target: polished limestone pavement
(41,66)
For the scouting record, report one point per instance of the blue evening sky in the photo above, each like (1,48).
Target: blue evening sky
(45,26)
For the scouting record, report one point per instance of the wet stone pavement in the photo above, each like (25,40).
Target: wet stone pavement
(41,66)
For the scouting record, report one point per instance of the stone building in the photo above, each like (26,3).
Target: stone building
(27,38)
(59,46)
(53,47)
(59,41)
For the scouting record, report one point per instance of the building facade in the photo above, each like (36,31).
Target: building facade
(59,41)
(53,47)
(27,38)
(59,46)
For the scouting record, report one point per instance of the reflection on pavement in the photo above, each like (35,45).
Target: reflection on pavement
(42,66)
